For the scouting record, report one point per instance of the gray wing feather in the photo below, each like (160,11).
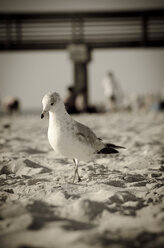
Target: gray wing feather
(87,136)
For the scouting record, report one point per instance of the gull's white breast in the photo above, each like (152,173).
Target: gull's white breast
(64,141)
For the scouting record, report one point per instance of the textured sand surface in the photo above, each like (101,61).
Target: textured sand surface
(119,202)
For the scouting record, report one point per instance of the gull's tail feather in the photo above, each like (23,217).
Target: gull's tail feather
(110,148)
(115,147)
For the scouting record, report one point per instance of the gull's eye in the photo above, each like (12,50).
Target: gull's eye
(52,103)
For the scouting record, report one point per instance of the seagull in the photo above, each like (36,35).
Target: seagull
(70,138)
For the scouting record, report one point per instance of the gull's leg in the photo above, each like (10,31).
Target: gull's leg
(76,170)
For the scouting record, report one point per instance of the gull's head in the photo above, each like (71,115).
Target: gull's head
(49,102)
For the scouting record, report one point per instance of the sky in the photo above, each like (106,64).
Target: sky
(28,75)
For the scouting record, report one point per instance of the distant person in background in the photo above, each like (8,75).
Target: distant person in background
(70,100)
(112,92)
(161,100)
(149,102)
(80,103)
(11,105)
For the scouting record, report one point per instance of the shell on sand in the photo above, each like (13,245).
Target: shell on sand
(119,202)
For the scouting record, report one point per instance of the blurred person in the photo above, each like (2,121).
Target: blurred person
(161,100)
(135,102)
(80,103)
(70,100)
(112,92)
(11,105)
(126,103)
(149,100)
(161,105)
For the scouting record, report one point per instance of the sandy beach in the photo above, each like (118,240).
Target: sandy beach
(119,202)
